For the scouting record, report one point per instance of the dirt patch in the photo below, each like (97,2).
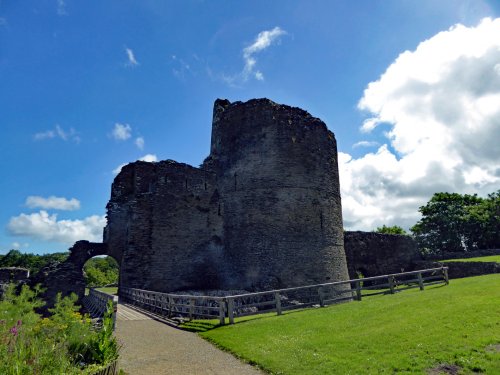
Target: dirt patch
(445,369)
(495,348)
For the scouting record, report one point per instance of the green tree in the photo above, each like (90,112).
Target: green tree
(395,229)
(33,262)
(100,271)
(453,222)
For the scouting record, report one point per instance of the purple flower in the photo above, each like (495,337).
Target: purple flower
(13,330)
(19,322)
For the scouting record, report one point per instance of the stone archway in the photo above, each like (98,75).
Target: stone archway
(67,277)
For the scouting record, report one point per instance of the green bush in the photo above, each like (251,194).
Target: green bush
(59,344)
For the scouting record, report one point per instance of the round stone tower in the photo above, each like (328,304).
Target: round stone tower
(280,201)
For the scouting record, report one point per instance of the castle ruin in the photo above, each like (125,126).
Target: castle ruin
(263,211)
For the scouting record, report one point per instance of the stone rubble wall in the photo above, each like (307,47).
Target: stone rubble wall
(374,254)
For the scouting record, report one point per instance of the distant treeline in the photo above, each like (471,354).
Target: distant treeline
(33,262)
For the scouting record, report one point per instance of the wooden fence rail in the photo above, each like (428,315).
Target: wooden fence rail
(168,304)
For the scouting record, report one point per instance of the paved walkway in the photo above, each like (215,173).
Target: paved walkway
(154,348)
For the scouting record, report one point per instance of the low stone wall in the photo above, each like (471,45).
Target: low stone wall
(458,270)
(13,274)
(374,254)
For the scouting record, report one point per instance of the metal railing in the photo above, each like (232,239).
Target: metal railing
(96,303)
(279,300)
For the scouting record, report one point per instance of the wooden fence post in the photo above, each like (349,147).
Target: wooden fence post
(170,303)
(358,290)
(391,283)
(277,300)
(222,313)
(445,275)
(230,310)
(420,281)
(192,302)
(321,297)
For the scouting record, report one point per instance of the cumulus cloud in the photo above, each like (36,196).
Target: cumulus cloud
(52,202)
(148,157)
(264,40)
(139,142)
(131,61)
(44,227)
(121,132)
(442,105)
(58,132)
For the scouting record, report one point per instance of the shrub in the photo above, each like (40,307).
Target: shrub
(61,343)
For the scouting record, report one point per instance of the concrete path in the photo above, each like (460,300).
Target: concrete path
(154,348)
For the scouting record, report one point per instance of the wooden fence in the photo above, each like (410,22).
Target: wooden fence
(168,304)
(96,303)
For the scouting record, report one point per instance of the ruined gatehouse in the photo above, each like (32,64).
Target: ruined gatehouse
(263,211)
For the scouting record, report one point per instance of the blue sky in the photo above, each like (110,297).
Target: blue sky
(411,90)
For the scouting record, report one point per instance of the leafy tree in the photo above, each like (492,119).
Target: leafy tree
(34,262)
(453,222)
(100,271)
(395,229)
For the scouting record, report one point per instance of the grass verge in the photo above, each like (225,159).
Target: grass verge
(409,332)
(110,290)
(491,258)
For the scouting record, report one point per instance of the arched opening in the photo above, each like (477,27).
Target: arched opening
(101,272)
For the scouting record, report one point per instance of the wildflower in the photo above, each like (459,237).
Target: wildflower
(19,322)
(13,330)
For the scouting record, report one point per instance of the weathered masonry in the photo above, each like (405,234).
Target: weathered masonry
(263,211)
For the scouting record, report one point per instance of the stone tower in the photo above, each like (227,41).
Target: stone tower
(263,211)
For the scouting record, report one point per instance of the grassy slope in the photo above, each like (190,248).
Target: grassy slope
(405,333)
(491,258)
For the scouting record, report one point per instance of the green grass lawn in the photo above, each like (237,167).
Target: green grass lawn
(109,290)
(491,258)
(408,332)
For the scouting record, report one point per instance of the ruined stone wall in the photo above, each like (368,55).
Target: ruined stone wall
(262,212)
(164,221)
(278,179)
(13,274)
(375,254)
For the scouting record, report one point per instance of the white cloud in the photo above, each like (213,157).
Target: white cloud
(264,40)
(365,144)
(442,105)
(58,132)
(139,142)
(52,202)
(148,157)
(121,132)
(61,8)
(45,227)
(131,57)
(17,246)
